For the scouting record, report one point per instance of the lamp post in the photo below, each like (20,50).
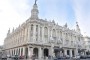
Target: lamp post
(42,50)
(52,46)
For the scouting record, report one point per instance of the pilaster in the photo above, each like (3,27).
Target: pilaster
(38,33)
(65,51)
(40,53)
(70,52)
(29,28)
(43,33)
(23,51)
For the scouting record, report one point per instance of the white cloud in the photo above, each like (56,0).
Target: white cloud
(9,17)
(82,13)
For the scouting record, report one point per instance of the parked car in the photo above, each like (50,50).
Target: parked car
(88,56)
(67,57)
(83,57)
(77,57)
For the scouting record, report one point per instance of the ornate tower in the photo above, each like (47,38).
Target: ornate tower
(34,11)
(66,25)
(8,32)
(77,28)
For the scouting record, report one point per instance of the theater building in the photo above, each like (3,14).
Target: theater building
(43,38)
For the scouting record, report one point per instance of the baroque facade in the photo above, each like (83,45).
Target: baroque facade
(43,38)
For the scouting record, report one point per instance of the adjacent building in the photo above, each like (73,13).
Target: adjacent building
(87,44)
(1,52)
(43,38)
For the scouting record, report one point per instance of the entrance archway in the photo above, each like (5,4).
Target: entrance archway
(35,52)
(46,52)
(57,52)
(73,54)
(26,52)
(68,52)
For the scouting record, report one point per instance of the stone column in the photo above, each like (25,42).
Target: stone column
(51,33)
(34,32)
(40,53)
(65,52)
(30,52)
(29,28)
(25,34)
(23,51)
(70,52)
(43,34)
(52,50)
(63,37)
(31,49)
(76,52)
(48,34)
(42,50)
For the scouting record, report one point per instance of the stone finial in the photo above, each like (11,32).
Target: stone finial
(9,30)
(77,27)
(53,21)
(57,23)
(77,23)
(13,29)
(65,25)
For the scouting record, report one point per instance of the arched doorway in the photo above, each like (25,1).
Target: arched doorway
(68,52)
(26,52)
(73,54)
(46,52)
(35,52)
(57,52)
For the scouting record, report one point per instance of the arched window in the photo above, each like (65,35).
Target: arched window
(31,32)
(41,31)
(60,34)
(46,52)
(14,51)
(36,32)
(54,34)
(32,27)
(35,52)
(46,31)
(66,35)
(19,52)
(26,52)
(78,38)
(36,28)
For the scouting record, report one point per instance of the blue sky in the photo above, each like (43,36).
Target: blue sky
(15,12)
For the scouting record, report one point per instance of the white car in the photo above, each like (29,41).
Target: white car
(77,57)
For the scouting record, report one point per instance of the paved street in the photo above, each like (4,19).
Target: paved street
(60,59)
(73,59)
(80,59)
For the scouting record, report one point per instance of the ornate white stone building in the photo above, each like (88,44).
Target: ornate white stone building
(43,38)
